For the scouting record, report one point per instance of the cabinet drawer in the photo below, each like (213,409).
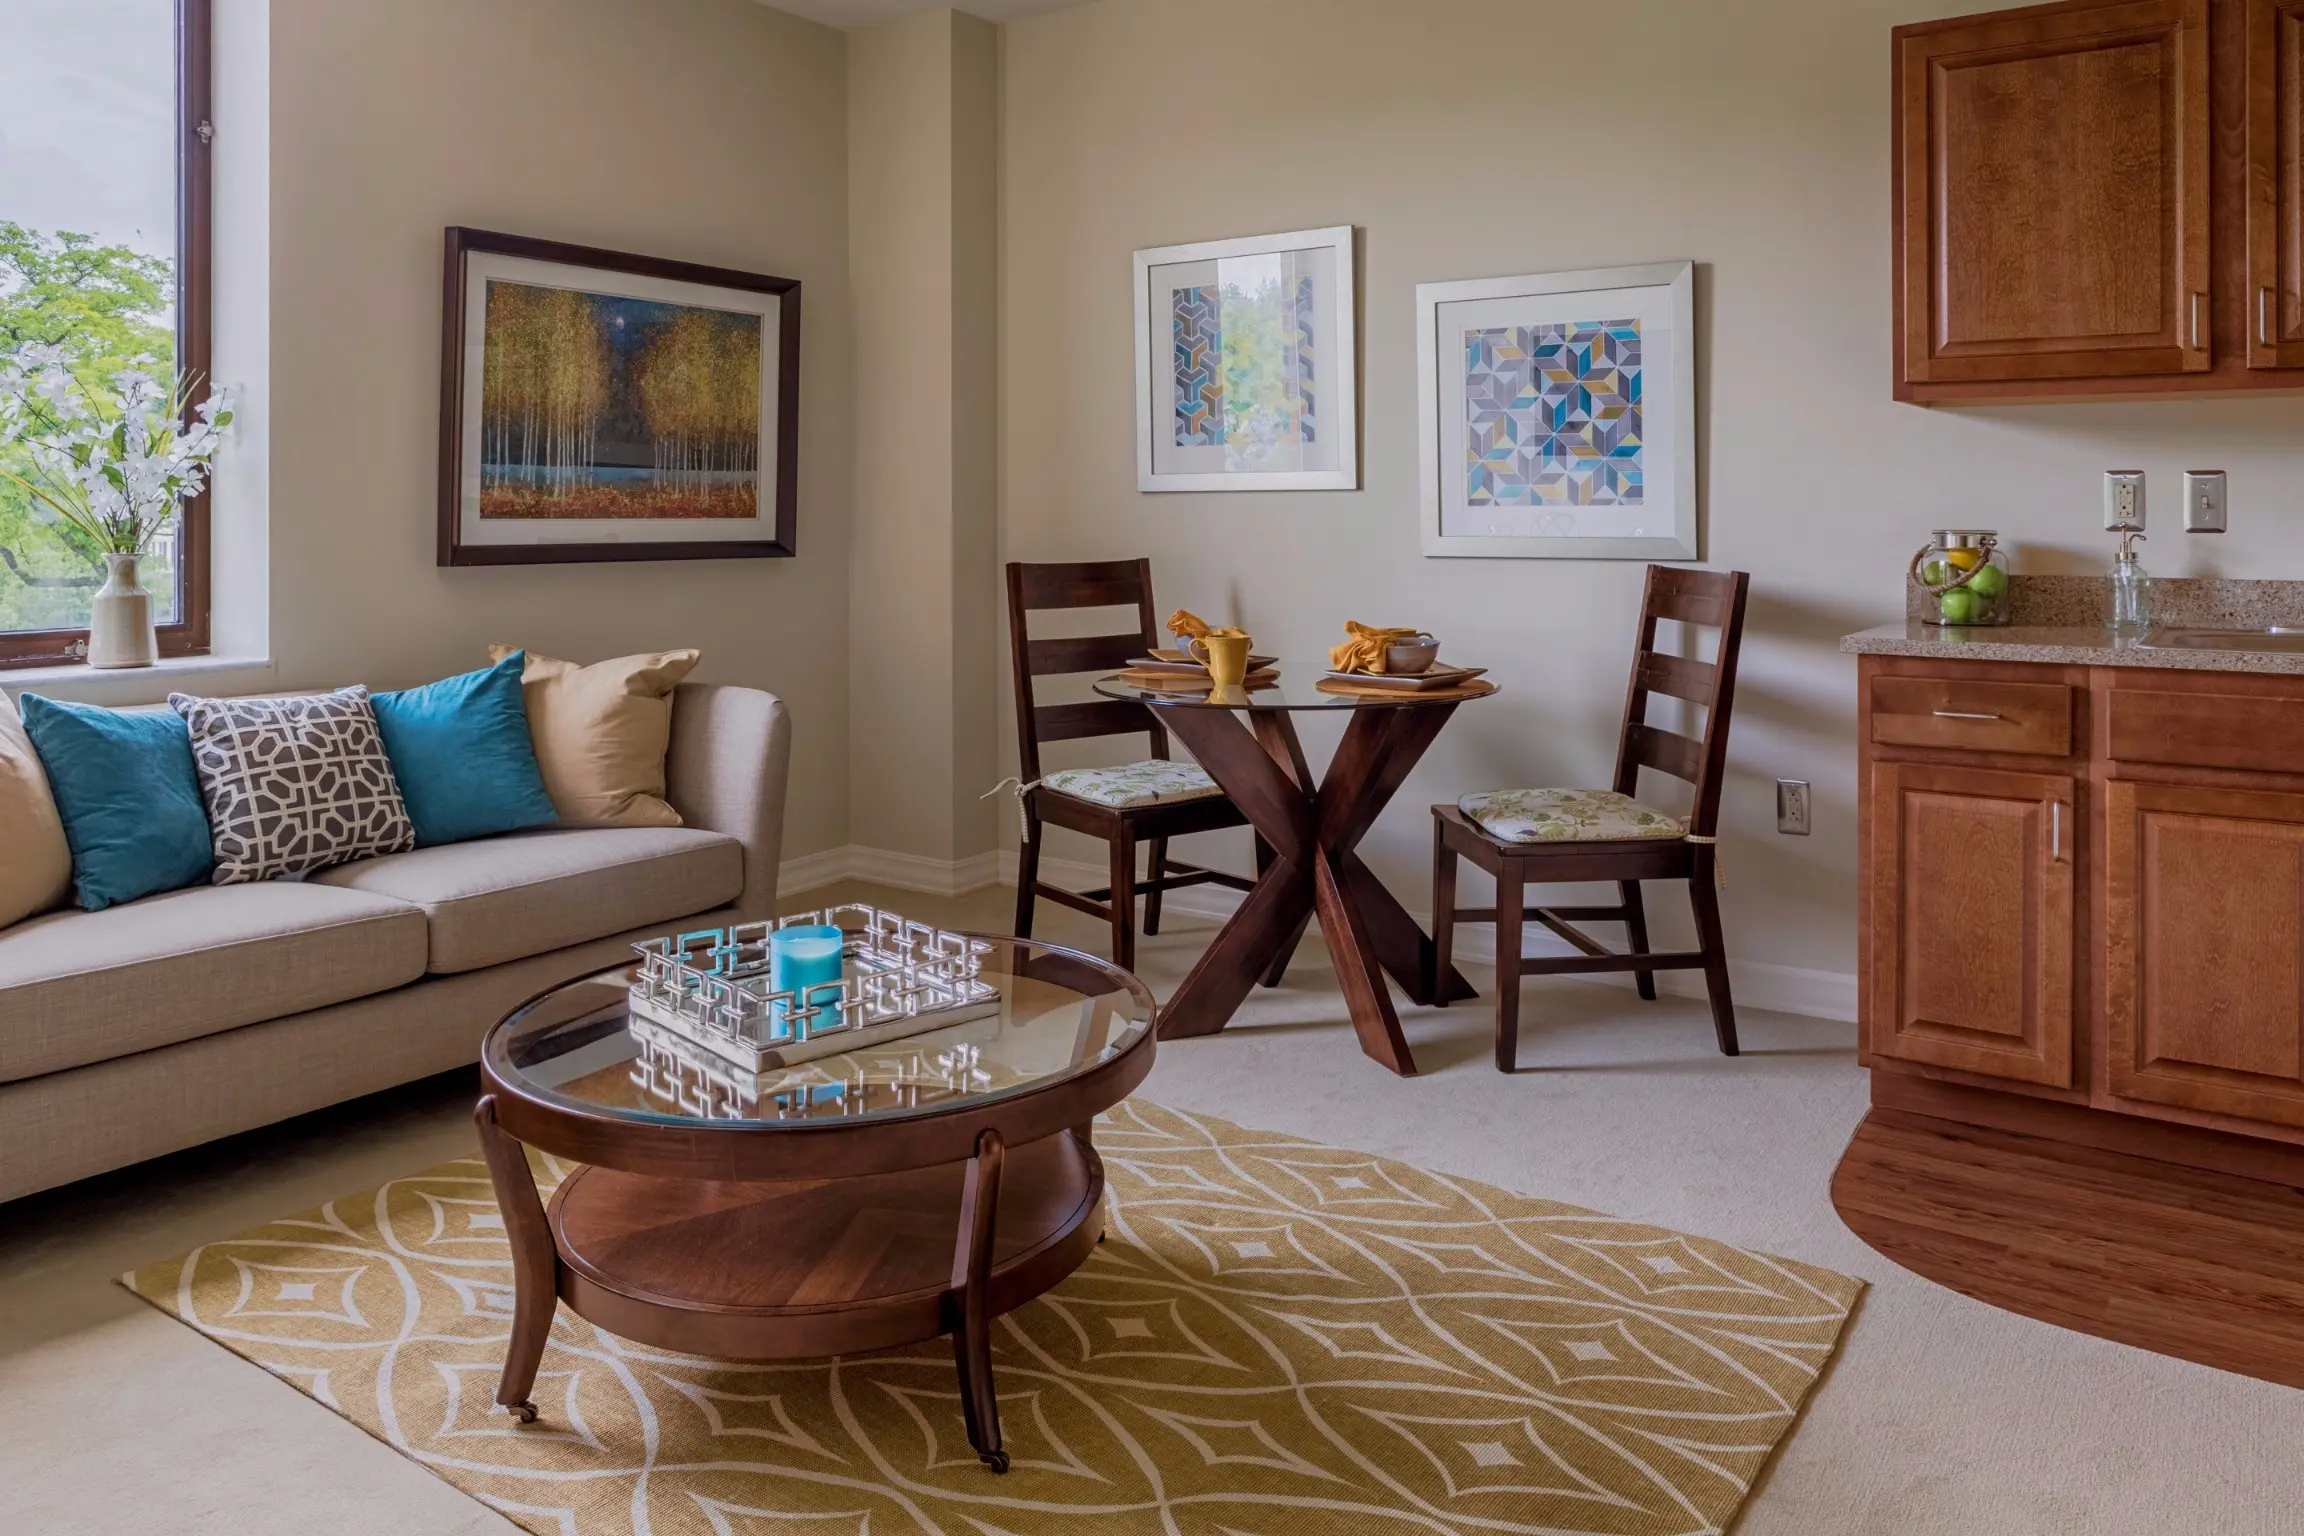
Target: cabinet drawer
(1962,715)
(2206,730)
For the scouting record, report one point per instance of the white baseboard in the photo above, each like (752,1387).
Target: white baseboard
(1757,984)
(884,866)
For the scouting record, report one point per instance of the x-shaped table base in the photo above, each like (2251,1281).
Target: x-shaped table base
(1312,868)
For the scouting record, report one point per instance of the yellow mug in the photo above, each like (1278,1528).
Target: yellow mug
(1224,652)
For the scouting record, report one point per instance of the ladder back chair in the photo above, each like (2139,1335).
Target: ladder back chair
(1551,836)
(1145,802)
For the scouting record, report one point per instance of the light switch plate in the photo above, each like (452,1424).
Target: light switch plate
(1792,807)
(2124,500)
(2204,501)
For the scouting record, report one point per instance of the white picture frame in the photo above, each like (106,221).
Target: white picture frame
(1482,495)
(1301,431)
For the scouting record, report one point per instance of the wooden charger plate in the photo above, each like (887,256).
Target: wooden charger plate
(1477,688)
(1189,682)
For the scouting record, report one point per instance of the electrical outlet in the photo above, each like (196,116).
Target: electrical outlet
(2204,501)
(2124,500)
(1792,807)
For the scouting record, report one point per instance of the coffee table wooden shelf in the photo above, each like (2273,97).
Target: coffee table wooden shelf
(859,1202)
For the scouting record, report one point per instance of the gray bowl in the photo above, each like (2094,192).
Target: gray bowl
(1406,658)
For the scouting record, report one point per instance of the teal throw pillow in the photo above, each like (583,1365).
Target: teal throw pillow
(129,798)
(461,751)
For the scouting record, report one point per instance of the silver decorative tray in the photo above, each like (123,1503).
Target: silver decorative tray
(709,991)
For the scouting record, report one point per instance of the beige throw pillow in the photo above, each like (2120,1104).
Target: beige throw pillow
(601,733)
(35,861)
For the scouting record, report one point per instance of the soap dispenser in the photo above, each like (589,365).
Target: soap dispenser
(2128,612)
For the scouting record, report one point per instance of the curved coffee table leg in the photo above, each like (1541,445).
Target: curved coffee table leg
(971,1279)
(535,1266)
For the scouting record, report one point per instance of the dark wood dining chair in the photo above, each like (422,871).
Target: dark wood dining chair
(1535,837)
(1064,799)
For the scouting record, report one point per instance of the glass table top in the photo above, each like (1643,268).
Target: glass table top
(1297,687)
(1037,1016)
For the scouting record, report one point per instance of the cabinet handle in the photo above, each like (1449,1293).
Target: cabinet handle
(2196,322)
(2264,314)
(1960,714)
(2055,831)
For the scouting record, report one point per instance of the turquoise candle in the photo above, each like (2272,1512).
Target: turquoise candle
(800,958)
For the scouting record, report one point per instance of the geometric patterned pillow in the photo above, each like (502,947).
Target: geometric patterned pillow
(294,785)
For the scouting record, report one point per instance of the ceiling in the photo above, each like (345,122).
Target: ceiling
(863,13)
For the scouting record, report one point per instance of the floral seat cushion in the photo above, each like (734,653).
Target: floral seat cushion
(1132,784)
(1567,816)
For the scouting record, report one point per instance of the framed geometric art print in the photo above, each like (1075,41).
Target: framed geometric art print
(1559,414)
(1245,365)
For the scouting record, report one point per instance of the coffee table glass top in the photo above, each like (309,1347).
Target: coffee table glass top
(1297,688)
(1055,1014)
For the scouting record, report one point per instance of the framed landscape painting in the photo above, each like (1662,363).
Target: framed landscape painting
(1559,414)
(1246,369)
(602,406)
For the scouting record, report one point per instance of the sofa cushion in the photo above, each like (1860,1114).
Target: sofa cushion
(80,987)
(504,898)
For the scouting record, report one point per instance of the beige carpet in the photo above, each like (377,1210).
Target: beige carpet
(1280,1336)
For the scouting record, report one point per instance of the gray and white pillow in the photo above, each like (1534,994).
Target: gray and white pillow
(294,784)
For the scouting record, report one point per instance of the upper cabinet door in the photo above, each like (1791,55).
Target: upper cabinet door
(2275,183)
(2052,193)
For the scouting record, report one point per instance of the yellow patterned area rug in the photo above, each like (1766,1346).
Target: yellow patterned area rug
(1278,1337)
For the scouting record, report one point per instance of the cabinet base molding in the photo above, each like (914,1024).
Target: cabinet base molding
(2165,1141)
(2182,1261)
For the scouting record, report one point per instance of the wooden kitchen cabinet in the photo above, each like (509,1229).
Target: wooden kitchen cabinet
(2204,953)
(2054,196)
(2275,138)
(2082,903)
(1972,927)
(2099,197)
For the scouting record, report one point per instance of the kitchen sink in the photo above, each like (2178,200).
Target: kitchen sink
(2273,638)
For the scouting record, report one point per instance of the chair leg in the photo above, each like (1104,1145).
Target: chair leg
(1511,896)
(1443,915)
(1636,934)
(1704,896)
(1124,899)
(1027,879)
(1156,868)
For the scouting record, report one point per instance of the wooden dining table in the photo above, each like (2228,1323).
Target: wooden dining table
(1246,740)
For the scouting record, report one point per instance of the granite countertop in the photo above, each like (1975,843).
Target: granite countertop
(2063,645)
(2058,621)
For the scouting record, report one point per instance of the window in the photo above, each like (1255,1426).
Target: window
(104,228)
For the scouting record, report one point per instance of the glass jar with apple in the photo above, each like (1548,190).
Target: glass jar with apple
(1964,577)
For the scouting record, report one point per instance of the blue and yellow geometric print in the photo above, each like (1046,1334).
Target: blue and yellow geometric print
(1552,415)
(1198,333)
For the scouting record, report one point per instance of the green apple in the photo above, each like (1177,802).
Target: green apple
(1933,573)
(1988,582)
(1960,606)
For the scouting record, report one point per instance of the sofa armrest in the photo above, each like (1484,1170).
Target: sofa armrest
(731,753)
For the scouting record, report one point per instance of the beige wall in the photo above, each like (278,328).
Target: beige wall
(921,163)
(1473,138)
(708,130)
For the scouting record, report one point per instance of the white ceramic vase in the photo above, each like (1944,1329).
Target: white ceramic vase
(120,618)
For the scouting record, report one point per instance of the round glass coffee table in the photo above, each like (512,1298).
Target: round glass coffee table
(859,1201)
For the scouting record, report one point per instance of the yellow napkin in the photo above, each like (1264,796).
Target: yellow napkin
(1187,626)
(1364,650)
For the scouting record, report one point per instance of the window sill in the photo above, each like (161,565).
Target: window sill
(81,683)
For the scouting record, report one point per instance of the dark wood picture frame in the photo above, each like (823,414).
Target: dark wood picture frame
(187,633)
(462,243)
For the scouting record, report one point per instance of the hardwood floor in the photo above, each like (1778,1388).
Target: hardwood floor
(2203,1266)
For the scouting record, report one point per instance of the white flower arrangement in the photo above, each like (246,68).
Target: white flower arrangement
(115,464)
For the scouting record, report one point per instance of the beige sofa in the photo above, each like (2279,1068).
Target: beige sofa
(173,1020)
